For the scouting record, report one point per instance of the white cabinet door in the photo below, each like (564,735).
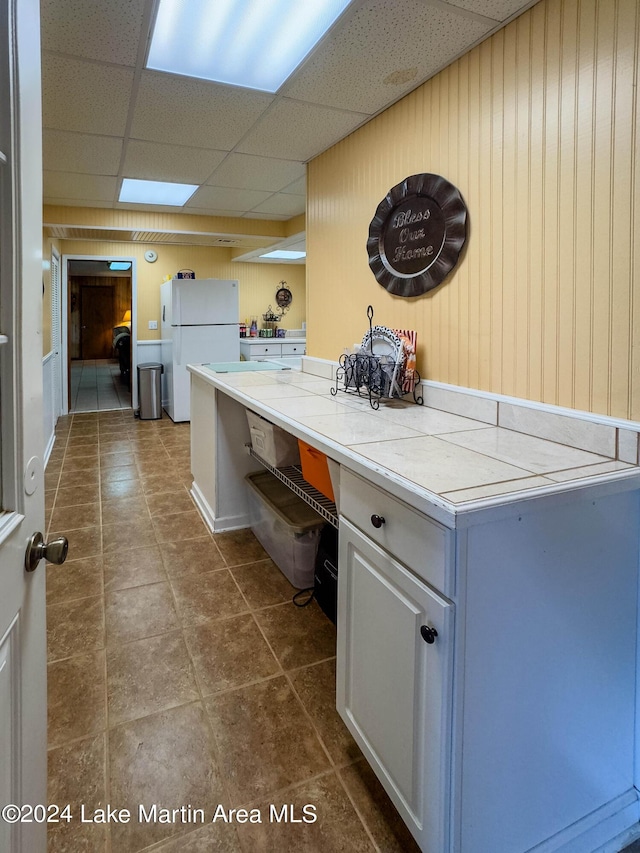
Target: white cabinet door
(393,686)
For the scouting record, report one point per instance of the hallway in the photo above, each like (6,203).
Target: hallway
(96,386)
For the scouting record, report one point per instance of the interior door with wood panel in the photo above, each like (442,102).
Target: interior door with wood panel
(97,306)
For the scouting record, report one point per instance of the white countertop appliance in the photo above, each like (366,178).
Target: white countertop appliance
(200,320)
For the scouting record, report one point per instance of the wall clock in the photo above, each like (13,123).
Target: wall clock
(417,234)
(151,256)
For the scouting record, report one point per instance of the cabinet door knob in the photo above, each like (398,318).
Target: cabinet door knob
(377,521)
(428,634)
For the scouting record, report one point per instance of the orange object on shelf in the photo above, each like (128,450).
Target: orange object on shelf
(315,469)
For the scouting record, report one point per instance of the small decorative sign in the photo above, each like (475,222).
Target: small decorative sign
(417,234)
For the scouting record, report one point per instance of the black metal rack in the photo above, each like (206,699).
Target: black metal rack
(376,377)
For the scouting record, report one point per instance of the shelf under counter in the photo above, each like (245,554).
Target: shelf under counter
(292,477)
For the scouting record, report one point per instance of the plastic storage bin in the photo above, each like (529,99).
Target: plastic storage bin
(274,445)
(287,527)
(315,469)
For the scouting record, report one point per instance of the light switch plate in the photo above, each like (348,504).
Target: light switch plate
(153,324)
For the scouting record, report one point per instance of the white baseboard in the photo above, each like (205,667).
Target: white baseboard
(217,525)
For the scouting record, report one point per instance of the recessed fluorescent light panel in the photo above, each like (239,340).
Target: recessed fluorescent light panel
(155,192)
(256,44)
(119,265)
(284,255)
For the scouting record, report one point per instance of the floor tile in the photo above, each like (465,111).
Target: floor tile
(207,596)
(147,676)
(74,579)
(116,460)
(75,627)
(133,567)
(337,828)
(71,479)
(229,653)
(377,810)
(51,479)
(166,759)
(239,546)
(155,483)
(121,489)
(110,445)
(141,611)
(191,557)
(298,635)
(132,534)
(120,472)
(76,775)
(263,584)
(167,503)
(74,517)
(76,495)
(316,687)
(181,525)
(76,698)
(123,510)
(79,463)
(218,837)
(264,739)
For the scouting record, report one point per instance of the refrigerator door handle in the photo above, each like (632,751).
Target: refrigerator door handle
(164,313)
(178,342)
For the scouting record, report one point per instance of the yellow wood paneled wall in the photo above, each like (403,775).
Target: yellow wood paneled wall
(538,128)
(258,282)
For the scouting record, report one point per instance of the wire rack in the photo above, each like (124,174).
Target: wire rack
(292,477)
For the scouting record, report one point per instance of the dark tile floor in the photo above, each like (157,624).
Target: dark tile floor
(180,672)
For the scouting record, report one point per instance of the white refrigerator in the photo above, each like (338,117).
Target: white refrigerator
(200,324)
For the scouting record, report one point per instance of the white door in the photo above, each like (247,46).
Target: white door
(56,339)
(23,688)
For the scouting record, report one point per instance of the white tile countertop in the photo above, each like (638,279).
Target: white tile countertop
(436,458)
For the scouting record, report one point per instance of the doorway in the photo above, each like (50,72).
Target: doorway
(98,332)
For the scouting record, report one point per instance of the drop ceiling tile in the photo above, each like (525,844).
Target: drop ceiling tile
(350,69)
(106,30)
(192,112)
(85,96)
(80,152)
(298,187)
(291,205)
(257,173)
(152,161)
(499,10)
(224,197)
(70,185)
(298,131)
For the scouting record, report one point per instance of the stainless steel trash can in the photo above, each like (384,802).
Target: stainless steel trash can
(150,390)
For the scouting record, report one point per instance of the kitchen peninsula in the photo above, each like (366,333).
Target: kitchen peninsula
(487,601)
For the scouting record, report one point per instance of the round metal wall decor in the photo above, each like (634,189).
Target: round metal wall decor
(417,234)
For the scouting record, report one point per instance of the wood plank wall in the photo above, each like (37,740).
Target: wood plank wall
(538,128)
